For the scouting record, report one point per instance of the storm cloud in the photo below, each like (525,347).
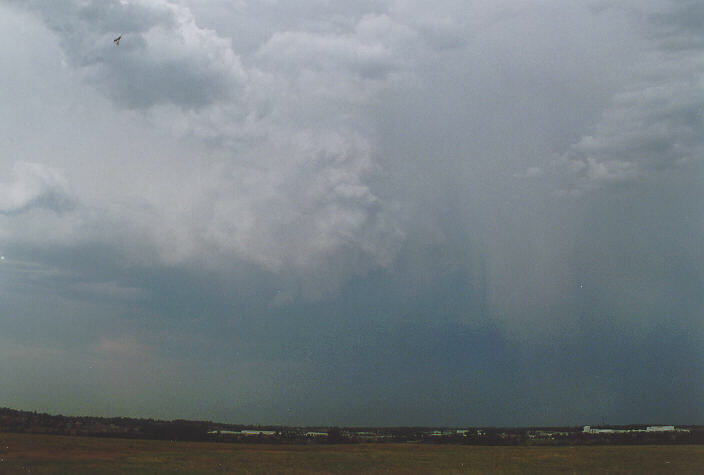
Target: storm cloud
(370,213)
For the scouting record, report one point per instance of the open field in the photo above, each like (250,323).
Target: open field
(22,453)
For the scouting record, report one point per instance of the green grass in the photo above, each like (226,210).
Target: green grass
(22,453)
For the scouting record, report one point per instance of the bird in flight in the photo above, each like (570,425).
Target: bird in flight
(117,40)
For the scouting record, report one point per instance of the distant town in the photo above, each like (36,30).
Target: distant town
(17,421)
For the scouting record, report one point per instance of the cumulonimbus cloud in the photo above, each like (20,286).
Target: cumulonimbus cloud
(294,191)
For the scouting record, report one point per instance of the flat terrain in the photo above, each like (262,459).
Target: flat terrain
(22,453)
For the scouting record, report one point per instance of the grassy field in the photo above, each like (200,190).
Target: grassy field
(23,453)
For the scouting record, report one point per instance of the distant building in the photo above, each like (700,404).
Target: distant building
(251,432)
(546,434)
(245,432)
(590,430)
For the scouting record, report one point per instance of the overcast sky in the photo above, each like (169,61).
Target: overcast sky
(378,212)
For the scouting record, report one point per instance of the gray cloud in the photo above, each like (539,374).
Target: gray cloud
(163,58)
(647,130)
(358,198)
(678,25)
(653,124)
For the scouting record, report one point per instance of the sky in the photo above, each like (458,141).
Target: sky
(389,212)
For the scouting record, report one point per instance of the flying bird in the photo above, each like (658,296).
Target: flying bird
(117,40)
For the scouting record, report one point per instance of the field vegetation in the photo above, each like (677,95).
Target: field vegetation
(40,453)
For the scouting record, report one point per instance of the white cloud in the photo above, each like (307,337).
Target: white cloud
(34,186)
(371,50)
(285,184)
